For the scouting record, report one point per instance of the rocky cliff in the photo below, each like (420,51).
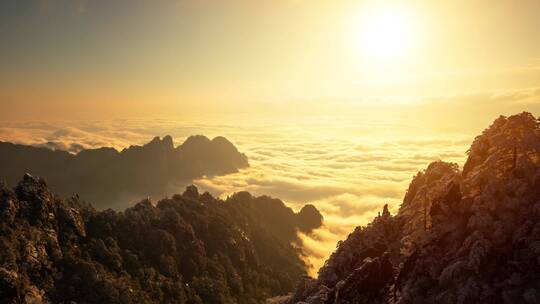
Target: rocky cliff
(470,236)
(110,178)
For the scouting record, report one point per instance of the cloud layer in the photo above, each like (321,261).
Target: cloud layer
(348,176)
(347,166)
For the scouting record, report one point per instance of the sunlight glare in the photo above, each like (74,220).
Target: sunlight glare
(385,34)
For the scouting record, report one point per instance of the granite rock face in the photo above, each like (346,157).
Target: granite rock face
(470,236)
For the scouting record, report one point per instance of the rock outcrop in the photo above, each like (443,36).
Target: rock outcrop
(309,218)
(191,248)
(459,237)
(110,179)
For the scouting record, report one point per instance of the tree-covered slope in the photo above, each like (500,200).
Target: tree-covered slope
(191,248)
(470,236)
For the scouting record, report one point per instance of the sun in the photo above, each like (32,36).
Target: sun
(385,34)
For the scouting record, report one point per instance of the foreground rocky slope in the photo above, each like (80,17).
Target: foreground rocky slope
(190,248)
(459,237)
(106,176)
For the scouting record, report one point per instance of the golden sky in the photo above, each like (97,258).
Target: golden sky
(86,59)
(336,102)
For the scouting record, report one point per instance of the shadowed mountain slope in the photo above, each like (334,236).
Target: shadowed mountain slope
(459,237)
(110,178)
(191,248)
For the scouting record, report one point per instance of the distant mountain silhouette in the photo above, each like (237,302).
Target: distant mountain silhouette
(191,248)
(470,236)
(110,178)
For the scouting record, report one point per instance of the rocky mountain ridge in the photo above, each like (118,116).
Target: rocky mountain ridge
(111,179)
(470,236)
(190,248)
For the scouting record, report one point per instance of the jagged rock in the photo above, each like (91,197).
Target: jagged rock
(309,218)
(71,219)
(36,201)
(8,209)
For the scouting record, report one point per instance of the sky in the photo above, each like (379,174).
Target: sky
(81,59)
(336,103)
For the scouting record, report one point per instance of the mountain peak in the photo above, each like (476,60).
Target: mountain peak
(166,143)
(309,218)
(196,140)
(108,177)
(468,236)
(505,144)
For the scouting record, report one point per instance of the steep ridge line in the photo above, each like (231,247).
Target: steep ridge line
(111,179)
(458,237)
